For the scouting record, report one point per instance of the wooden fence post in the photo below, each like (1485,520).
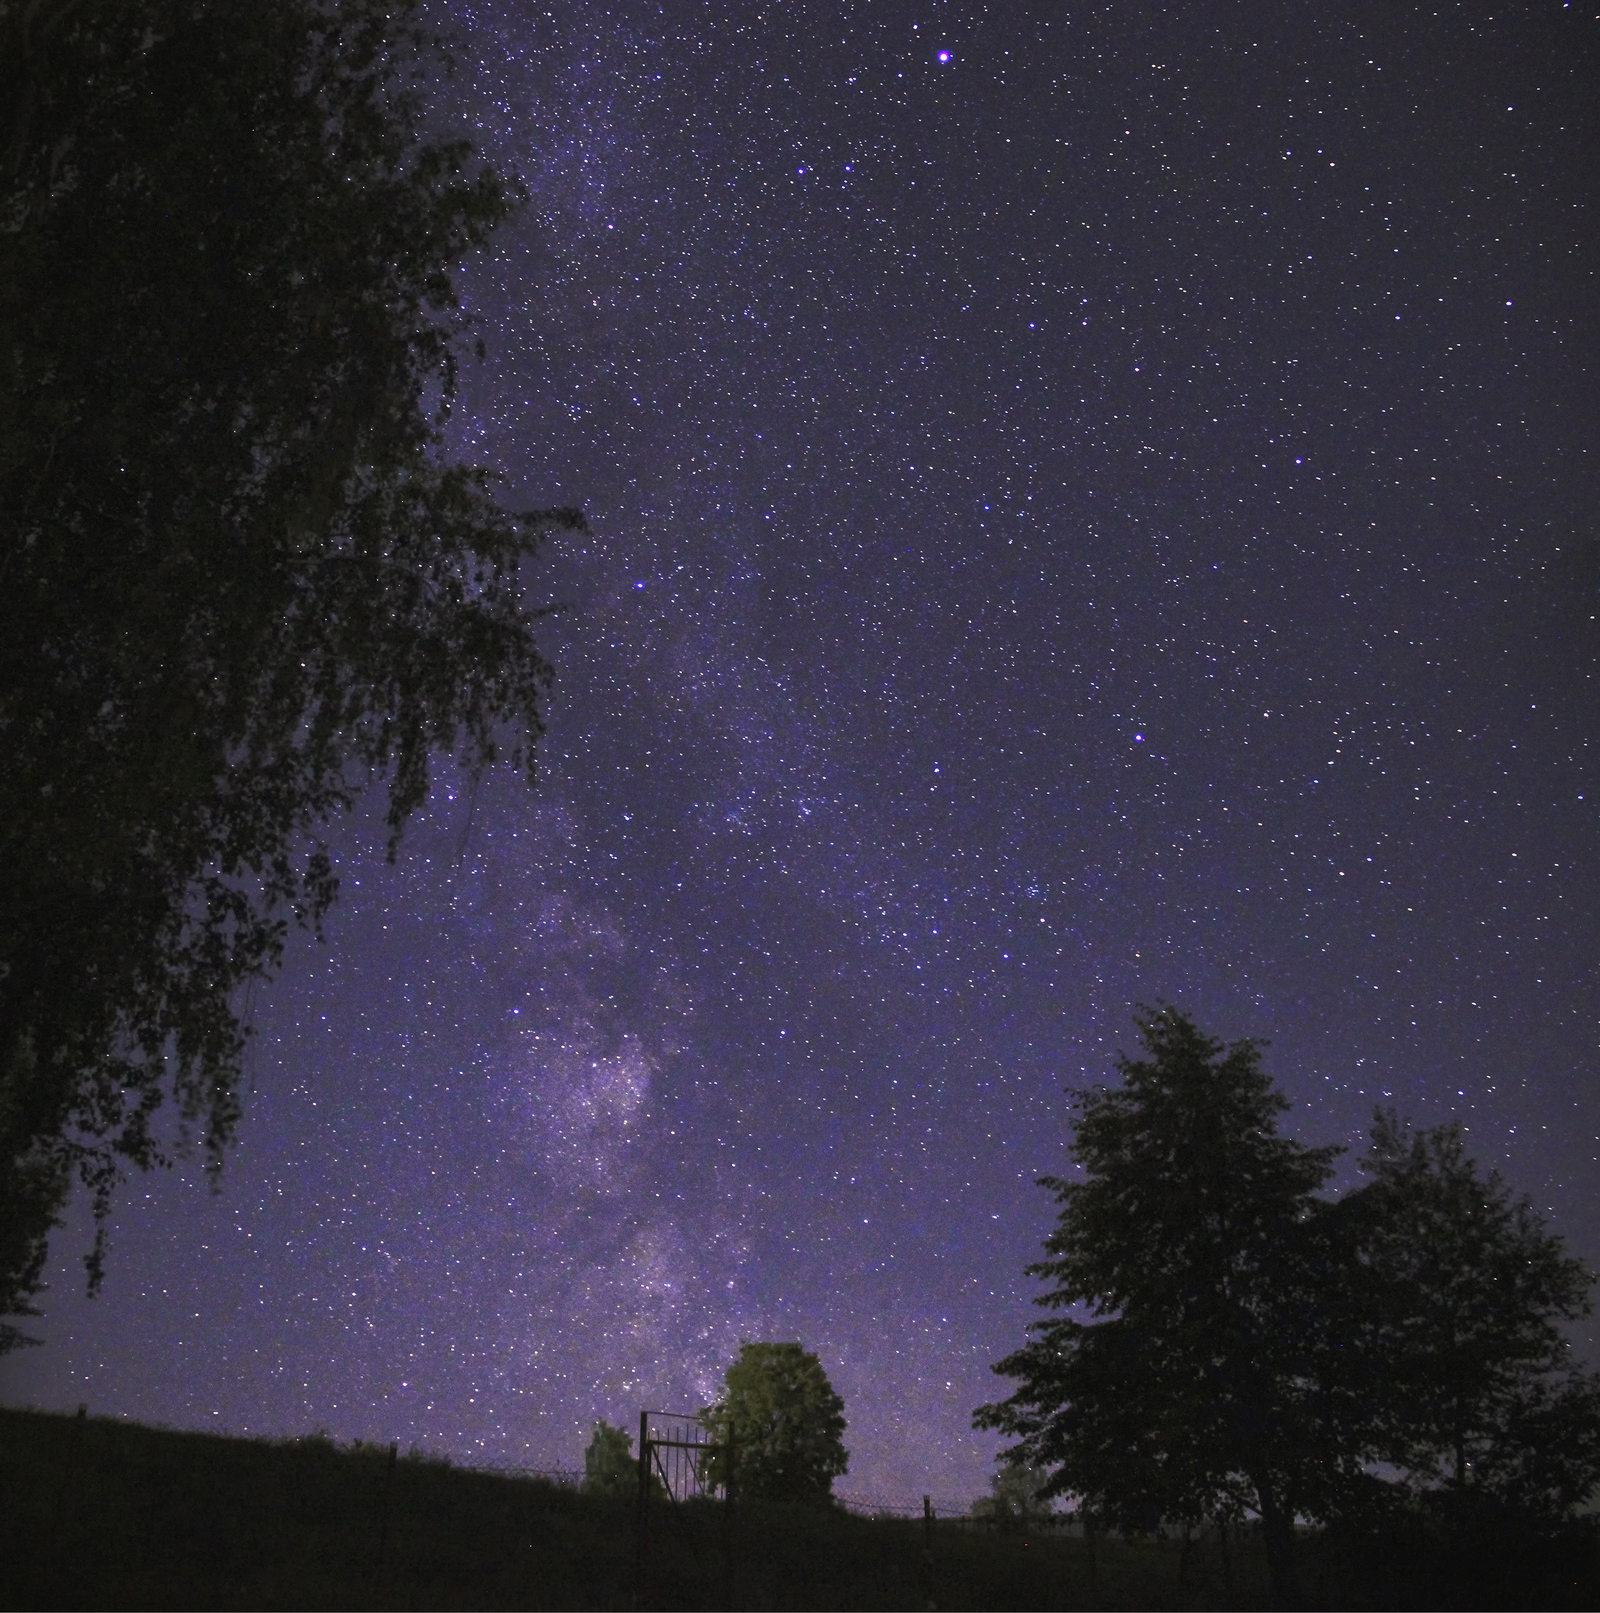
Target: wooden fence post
(642,1510)
(927,1551)
(730,1457)
(388,1486)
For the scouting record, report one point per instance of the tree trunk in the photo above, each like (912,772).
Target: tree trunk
(1277,1535)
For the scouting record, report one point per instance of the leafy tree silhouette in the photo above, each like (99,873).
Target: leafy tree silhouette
(1016,1496)
(1463,1290)
(610,1467)
(1192,1241)
(241,573)
(1242,1344)
(786,1423)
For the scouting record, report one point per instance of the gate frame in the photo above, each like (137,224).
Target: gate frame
(650,1449)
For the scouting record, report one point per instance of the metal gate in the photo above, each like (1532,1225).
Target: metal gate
(679,1462)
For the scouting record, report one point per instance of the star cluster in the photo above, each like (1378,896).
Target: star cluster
(1088,505)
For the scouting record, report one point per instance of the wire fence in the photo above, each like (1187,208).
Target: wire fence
(680,1460)
(570,1478)
(944,1511)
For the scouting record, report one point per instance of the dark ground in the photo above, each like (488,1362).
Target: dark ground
(101,1513)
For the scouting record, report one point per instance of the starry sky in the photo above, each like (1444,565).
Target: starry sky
(1091,504)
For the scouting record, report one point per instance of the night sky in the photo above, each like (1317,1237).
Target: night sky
(1090,504)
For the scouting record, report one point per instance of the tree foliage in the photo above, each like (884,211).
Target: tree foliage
(609,1465)
(1191,1242)
(239,574)
(1016,1496)
(1465,1290)
(1233,1342)
(786,1425)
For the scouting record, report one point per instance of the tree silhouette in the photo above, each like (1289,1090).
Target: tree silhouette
(610,1467)
(1464,1293)
(1193,1243)
(239,574)
(1244,1345)
(1016,1497)
(786,1424)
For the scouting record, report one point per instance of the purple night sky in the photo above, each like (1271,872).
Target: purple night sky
(1090,504)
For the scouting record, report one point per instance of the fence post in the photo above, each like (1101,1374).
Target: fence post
(642,1510)
(730,1455)
(927,1550)
(388,1486)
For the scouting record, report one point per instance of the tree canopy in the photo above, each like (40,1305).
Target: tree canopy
(1016,1497)
(1464,1293)
(241,574)
(609,1467)
(1189,1238)
(1235,1342)
(786,1425)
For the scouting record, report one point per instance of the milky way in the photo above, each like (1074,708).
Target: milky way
(1089,505)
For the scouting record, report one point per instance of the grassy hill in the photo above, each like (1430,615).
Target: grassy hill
(101,1513)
